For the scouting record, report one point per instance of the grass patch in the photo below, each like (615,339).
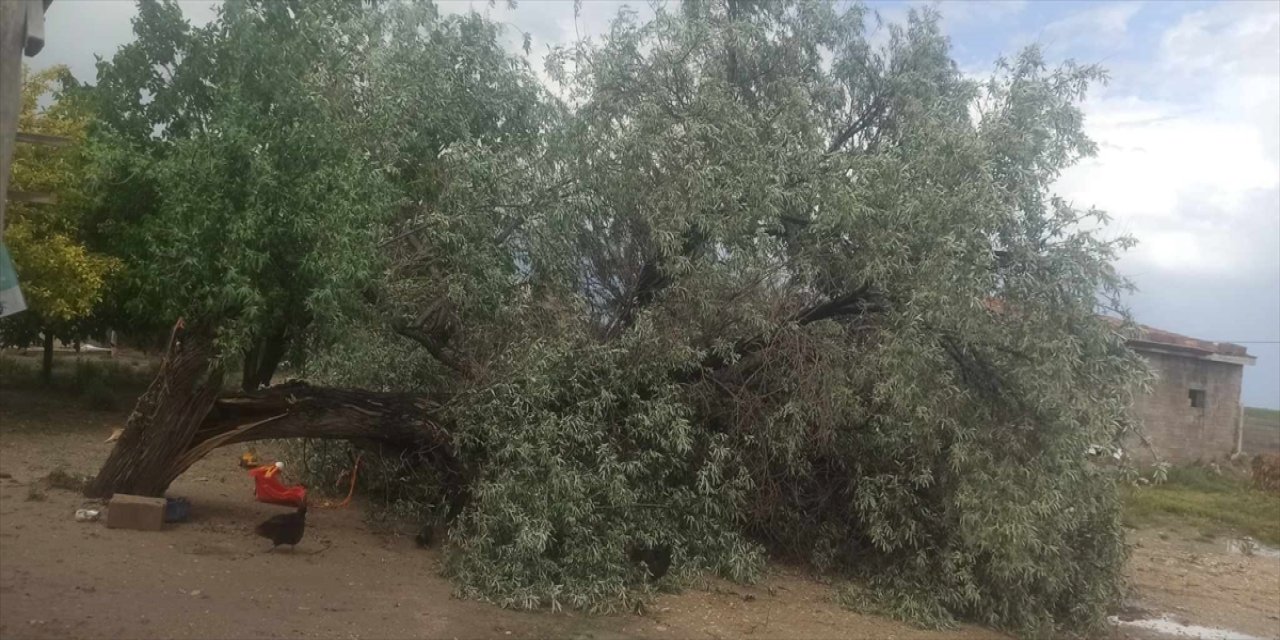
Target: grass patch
(1271,416)
(1212,502)
(67,481)
(98,384)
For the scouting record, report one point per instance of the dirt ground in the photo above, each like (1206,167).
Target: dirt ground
(210,577)
(1193,580)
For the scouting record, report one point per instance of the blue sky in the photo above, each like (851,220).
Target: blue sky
(1188,131)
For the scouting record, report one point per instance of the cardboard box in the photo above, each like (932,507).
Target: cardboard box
(135,512)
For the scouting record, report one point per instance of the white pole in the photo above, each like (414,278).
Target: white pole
(1240,431)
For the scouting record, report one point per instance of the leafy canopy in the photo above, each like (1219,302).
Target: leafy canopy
(761,284)
(234,182)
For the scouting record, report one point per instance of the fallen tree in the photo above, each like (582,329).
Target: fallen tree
(760,287)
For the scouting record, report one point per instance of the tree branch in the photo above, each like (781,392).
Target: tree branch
(862,301)
(433,343)
(650,283)
(858,126)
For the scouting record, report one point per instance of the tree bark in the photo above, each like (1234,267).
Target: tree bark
(400,423)
(46,363)
(261,361)
(165,419)
(181,419)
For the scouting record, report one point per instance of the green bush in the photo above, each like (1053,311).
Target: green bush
(395,491)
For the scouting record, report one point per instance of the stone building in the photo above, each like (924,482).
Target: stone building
(1193,410)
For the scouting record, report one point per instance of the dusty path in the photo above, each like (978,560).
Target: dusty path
(210,577)
(1191,580)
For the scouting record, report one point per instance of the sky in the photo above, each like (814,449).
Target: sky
(1188,130)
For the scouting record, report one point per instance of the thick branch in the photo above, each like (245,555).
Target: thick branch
(399,421)
(857,126)
(433,343)
(651,282)
(856,302)
(860,302)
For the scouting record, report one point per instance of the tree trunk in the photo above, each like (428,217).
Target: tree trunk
(393,423)
(249,372)
(165,419)
(46,364)
(269,360)
(261,361)
(180,420)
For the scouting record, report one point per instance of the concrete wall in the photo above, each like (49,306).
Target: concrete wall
(1178,431)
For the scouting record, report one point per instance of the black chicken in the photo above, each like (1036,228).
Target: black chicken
(285,528)
(656,559)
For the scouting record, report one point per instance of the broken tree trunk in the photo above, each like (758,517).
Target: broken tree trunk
(398,423)
(165,419)
(181,419)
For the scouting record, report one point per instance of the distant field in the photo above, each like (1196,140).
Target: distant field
(1261,430)
(1216,502)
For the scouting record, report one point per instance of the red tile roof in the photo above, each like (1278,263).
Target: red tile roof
(1160,337)
(1151,336)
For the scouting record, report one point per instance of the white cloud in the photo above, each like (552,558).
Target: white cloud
(1100,29)
(1195,173)
(1233,38)
(979,11)
(1095,23)
(77,30)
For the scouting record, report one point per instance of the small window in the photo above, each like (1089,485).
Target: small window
(1197,398)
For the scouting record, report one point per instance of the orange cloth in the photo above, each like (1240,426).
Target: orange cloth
(268,488)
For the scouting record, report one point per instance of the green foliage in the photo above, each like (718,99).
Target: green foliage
(587,451)
(371,356)
(396,491)
(251,205)
(62,279)
(748,282)
(850,277)
(1212,500)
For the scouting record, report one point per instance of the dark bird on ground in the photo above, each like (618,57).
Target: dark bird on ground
(656,559)
(285,528)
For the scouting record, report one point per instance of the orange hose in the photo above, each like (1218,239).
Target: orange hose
(350,491)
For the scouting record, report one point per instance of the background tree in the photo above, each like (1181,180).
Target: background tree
(63,279)
(238,194)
